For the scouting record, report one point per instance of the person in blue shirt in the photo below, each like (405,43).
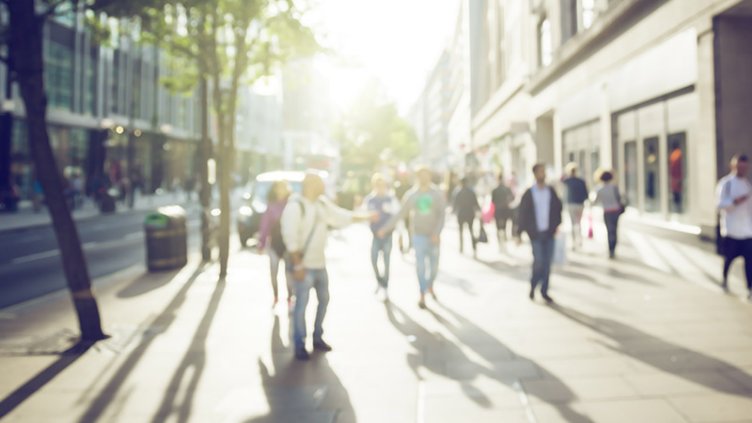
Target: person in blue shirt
(383,205)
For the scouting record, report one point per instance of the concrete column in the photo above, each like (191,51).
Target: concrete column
(704,142)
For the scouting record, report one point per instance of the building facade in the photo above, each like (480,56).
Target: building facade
(106,104)
(655,89)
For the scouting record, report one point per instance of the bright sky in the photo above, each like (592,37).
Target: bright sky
(396,41)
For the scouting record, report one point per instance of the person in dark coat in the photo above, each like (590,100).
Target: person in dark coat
(466,206)
(577,194)
(540,216)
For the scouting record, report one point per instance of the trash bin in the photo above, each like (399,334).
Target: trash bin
(166,239)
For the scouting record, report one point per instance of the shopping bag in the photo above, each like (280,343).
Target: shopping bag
(560,249)
(488,214)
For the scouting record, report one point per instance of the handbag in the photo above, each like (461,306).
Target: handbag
(560,249)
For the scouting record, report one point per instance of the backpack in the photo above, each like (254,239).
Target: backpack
(275,234)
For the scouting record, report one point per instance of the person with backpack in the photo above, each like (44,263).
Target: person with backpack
(305,228)
(270,237)
(383,205)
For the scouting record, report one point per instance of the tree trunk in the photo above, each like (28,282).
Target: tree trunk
(224,188)
(204,155)
(26,51)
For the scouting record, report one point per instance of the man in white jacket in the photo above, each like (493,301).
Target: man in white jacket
(305,223)
(734,193)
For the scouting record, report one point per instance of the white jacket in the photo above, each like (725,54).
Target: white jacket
(736,220)
(312,219)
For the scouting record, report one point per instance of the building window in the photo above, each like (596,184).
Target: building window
(545,44)
(677,171)
(59,74)
(630,172)
(652,163)
(588,13)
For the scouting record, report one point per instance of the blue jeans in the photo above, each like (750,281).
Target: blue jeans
(317,279)
(543,251)
(383,246)
(426,261)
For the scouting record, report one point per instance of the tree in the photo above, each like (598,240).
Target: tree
(372,132)
(248,38)
(26,20)
(219,45)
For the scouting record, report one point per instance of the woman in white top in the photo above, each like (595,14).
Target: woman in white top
(609,198)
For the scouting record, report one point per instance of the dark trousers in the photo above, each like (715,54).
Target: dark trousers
(612,223)
(733,248)
(543,251)
(469,223)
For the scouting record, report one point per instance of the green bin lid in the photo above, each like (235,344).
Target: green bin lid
(156,220)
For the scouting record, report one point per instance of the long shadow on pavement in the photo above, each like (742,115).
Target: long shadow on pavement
(472,335)
(470,370)
(161,323)
(193,364)
(145,283)
(301,391)
(669,357)
(23,392)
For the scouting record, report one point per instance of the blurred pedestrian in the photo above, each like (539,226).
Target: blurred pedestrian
(305,230)
(576,195)
(502,198)
(734,194)
(465,206)
(609,198)
(539,214)
(270,237)
(425,204)
(382,205)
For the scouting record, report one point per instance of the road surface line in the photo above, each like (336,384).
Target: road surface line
(36,256)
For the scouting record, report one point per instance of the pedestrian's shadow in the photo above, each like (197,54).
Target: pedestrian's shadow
(299,391)
(666,356)
(473,336)
(429,348)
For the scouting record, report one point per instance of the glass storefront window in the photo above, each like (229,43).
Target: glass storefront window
(652,172)
(677,168)
(58,74)
(630,172)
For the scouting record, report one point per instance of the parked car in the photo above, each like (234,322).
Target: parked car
(254,201)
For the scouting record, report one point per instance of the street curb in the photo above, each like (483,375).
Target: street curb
(81,219)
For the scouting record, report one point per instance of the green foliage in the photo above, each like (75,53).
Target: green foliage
(372,132)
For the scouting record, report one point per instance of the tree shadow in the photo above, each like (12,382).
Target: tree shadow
(519,273)
(581,277)
(666,356)
(109,391)
(23,392)
(616,273)
(146,283)
(301,391)
(473,336)
(193,364)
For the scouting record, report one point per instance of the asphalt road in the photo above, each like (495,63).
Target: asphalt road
(30,263)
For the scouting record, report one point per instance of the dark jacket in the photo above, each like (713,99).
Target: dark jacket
(526,215)
(465,204)
(577,191)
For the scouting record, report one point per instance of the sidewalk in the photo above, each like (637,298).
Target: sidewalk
(27,218)
(626,342)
